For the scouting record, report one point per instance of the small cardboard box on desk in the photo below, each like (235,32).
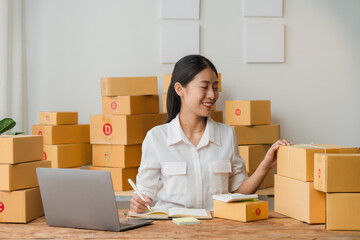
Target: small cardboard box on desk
(20,206)
(245,211)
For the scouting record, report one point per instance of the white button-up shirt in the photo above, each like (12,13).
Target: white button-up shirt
(177,174)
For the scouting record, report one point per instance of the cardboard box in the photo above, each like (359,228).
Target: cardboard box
(123,129)
(242,211)
(164,107)
(68,155)
(122,156)
(124,86)
(21,175)
(337,172)
(120,176)
(297,161)
(260,134)
(343,211)
(63,134)
(247,112)
(253,155)
(299,200)
(20,206)
(167,81)
(130,105)
(268,180)
(20,148)
(58,118)
(217,116)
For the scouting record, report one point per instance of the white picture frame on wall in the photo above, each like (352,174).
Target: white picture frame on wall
(180,9)
(264,43)
(179,40)
(263,8)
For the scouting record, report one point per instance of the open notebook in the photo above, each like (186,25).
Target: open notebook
(168,213)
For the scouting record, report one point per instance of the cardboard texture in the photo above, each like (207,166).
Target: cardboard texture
(253,155)
(123,129)
(299,200)
(63,134)
(337,172)
(21,175)
(242,211)
(164,106)
(342,211)
(297,161)
(20,148)
(20,206)
(68,155)
(128,86)
(167,81)
(260,134)
(58,118)
(217,116)
(122,156)
(268,180)
(247,112)
(130,105)
(119,176)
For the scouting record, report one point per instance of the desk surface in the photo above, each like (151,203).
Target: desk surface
(276,227)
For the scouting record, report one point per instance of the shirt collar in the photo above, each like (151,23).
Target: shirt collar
(176,134)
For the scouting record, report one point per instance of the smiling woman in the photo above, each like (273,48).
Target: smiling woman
(191,157)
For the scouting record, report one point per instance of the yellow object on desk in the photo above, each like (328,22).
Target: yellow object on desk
(185,221)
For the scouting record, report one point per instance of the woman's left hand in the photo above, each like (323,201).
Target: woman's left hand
(270,159)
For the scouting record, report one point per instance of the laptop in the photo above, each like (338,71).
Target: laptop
(77,198)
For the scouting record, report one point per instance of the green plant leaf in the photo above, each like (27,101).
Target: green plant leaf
(6,124)
(17,133)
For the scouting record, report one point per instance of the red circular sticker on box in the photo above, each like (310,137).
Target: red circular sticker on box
(319,173)
(2,207)
(47,118)
(107,155)
(107,129)
(40,133)
(113,105)
(258,211)
(237,112)
(44,155)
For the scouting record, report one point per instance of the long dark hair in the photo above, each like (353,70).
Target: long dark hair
(184,72)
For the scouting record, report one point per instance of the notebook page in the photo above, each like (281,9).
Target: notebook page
(187,212)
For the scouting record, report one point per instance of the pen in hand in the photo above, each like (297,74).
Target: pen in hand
(138,193)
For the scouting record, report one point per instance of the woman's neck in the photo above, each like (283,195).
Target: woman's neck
(192,123)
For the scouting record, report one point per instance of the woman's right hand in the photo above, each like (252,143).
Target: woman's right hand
(137,205)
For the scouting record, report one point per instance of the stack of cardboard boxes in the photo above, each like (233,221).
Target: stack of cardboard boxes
(130,108)
(20,199)
(66,143)
(251,120)
(295,195)
(217,116)
(338,176)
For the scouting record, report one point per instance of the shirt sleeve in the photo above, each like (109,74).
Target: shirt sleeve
(238,171)
(148,177)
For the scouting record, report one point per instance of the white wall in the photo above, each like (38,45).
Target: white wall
(315,96)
